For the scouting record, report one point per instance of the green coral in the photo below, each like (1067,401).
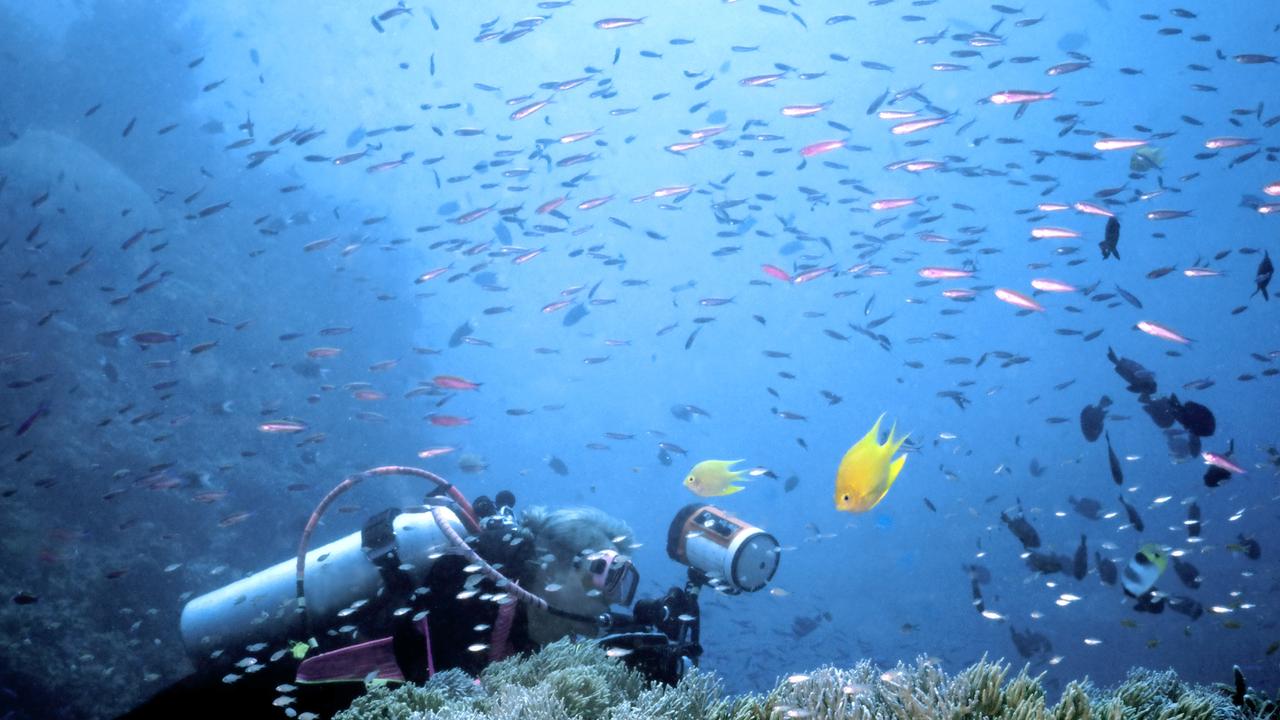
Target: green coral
(577,681)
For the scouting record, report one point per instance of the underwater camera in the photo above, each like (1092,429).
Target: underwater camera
(661,639)
(734,555)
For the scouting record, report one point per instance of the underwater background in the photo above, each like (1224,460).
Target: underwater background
(226,219)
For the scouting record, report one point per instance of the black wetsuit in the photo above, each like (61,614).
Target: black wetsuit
(451,622)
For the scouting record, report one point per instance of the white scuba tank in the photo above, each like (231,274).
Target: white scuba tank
(263,607)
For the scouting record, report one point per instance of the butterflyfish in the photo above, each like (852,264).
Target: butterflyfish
(1144,569)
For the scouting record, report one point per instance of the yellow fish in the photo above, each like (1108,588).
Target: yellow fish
(867,472)
(710,478)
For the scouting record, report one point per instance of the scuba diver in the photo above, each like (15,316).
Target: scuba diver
(450,584)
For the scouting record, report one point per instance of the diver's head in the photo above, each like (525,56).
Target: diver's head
(582,568)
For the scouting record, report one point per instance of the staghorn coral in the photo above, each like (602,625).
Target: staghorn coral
(577,681)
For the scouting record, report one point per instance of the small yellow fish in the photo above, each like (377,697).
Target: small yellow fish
(710,478)
(867,471)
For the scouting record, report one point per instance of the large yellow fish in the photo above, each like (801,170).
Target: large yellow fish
(867,471)
(710,478)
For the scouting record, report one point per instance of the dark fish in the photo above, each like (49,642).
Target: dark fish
(1091,418)
(1047,563)
(1021,529)
(1107,570)
(1140,379)
(31,420)
(212,209)
(1129,297)
(557,465)
(464,330)
(1029,643)
(1080,563)
(1117,473)
(1193,521)
(791,483)
(1111,240)
(25,598)
(1162,411)
(1196,418)
(1187,573)
(1251,548)
(1088,507)
(1263,278)
(693,336)
(1186,606)
(1134,518)
(576,313)
(153,337)
(875,104)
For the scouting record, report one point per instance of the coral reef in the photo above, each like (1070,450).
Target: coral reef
(568,681)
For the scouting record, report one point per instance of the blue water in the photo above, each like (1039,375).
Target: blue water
(101,489)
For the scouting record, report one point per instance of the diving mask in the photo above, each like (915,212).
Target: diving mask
(613,575)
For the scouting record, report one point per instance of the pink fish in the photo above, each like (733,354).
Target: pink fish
(1017,299)
(1118,144)
(761,80)
(708,132)
(526,257)
(915,166)
(435,451)
(529,109)
(776,272)
(672,191)
(575,137)
(804,110)
(942,273)
(1201,272)
(896,114)
(1047,285)
(551,205)
(472,216)
(1054,232)
(682,147)
(1219,461)
(594,202)
(912,126)
(554,306)
(1272,189)
(1162,332)
(453,382)
(233,519)
(1015,97)
(1089,208)
(431,274)
(1222,143)
(1052,207)
(892,203)
(447,420)
(617,23)
(323,352)
(814,274)
(819,148)
(959,293)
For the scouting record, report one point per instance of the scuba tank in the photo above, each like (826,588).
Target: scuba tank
(264,607)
